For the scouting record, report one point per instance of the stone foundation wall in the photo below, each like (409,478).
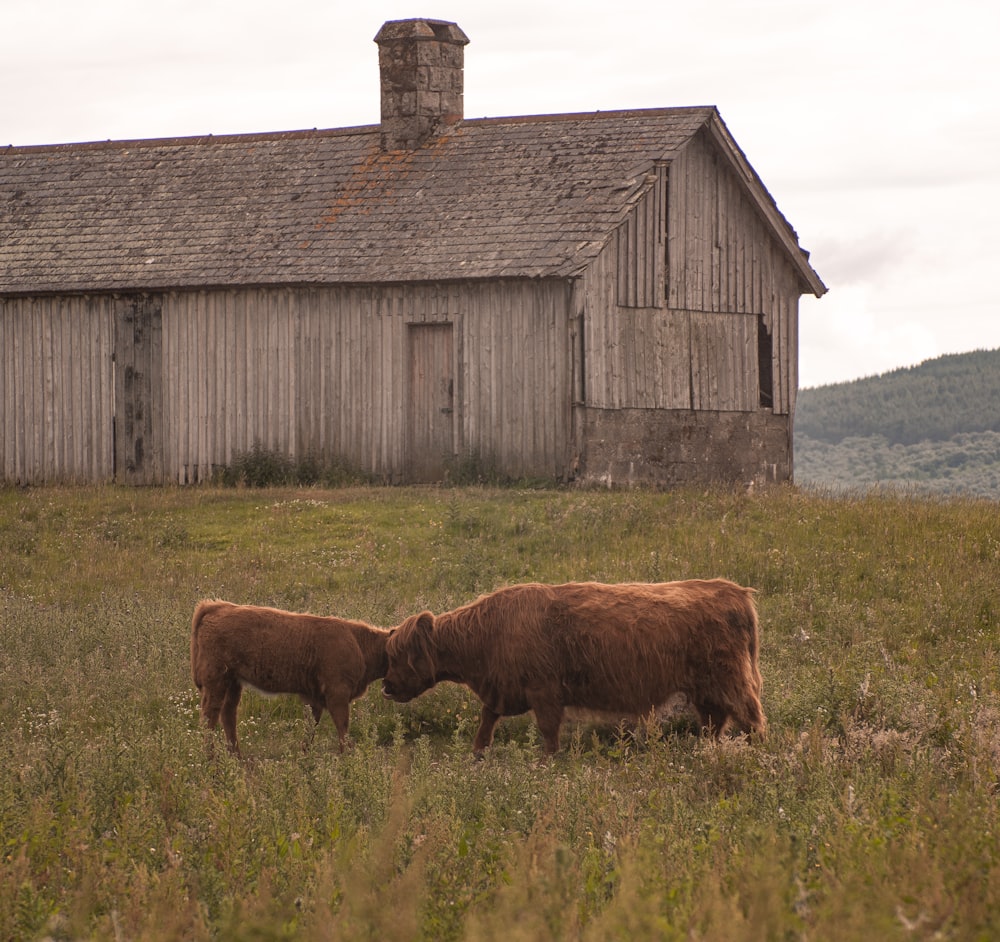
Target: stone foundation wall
(664,448)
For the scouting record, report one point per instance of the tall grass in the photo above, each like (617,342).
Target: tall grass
(870,811)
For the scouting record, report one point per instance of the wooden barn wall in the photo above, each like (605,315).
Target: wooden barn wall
(517,373)
(640,247)
(56,379)
(323,372)
(308,372)
(663,358)
(722,258)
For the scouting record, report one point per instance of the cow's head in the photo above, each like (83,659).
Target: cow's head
(410,651)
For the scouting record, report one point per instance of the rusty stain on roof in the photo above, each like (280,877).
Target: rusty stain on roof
(489,198)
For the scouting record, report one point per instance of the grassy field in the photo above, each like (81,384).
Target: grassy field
(870,812)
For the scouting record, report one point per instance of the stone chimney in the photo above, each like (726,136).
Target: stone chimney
(420,63)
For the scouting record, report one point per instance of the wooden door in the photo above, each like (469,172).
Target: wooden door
(431,406)
(138,391)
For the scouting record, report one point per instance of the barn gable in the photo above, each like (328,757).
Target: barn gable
(556,295)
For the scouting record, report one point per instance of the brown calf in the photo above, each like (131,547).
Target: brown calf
(328,662)
(617,649)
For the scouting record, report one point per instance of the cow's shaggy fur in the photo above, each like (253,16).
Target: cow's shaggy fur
(618,649)
(328,662)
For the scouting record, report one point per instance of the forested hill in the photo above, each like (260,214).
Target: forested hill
(933,428)
(930,402)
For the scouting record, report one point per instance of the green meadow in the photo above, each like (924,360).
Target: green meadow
(869,812)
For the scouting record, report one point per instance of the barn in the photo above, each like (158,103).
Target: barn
(601,297)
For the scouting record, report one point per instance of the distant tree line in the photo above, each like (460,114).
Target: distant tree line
(932,428)
(930,402)
(969,464)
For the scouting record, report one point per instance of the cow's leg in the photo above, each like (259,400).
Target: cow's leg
(340,709)
(315,710)
(751,719)
(230,704)
(549,716)
(212,696)
(488,720)
(712,716)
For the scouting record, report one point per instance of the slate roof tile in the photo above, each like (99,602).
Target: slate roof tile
(505,197)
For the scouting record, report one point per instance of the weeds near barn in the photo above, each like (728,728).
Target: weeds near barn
(260,466)
(871,809)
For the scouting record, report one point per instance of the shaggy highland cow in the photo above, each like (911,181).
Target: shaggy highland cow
(328,662)
(624,650)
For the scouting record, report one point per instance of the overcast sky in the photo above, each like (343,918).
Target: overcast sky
(875,124)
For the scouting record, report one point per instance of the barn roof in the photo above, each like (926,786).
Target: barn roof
(489,198)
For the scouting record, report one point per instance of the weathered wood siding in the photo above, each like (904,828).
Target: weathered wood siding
(641,247)
(722,257)
(662,358)
(325,372)
(689,347)
(56,379)
(673,304)
(138,389)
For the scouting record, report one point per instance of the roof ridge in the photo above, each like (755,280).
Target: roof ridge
(616,114)
(363,129)
(191,139)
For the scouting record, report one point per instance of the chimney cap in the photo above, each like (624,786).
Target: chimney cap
(422,28)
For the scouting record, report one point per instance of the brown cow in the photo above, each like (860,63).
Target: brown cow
(328,662)
(615,649)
